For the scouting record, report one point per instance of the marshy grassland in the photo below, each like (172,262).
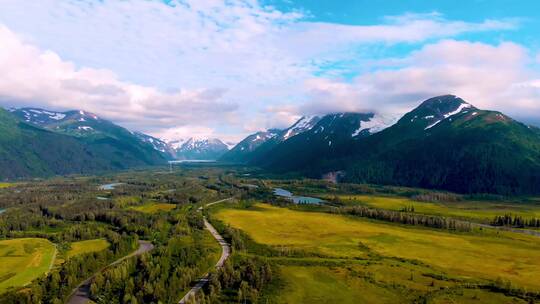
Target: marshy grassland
(387,262)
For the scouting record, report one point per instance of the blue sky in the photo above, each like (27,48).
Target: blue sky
(228,68)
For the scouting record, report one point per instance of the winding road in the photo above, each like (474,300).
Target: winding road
(81,294)
(225,253)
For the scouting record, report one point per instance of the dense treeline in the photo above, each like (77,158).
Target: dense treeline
(69,210)
(159,276)
(515,221)
(406,218)
(240,280)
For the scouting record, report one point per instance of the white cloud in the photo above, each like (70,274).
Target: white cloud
(34,77)
(490,77)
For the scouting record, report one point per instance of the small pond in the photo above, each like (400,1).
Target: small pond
(297,199)
(109,186)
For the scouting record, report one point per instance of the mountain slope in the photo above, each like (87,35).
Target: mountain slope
(35,142)
(157,144)
(27,151)
(120,144)
(447,143)
(241,153)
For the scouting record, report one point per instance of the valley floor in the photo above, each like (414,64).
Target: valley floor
(57,233)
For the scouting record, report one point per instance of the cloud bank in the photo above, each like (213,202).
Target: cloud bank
(491,77)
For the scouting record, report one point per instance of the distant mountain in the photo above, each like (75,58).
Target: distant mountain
(326,138)
(202,149)
(256,145)
(28,150)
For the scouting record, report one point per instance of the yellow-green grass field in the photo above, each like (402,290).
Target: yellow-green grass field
(154,207)
(475,296)
(5,185)
(488,255)
(23,260)
(88,246)
(475,210)
(322,284)
(318,284)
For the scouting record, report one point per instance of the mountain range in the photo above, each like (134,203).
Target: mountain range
(38,142)
(444,143)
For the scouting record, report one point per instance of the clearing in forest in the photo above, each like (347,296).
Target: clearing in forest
(88,246)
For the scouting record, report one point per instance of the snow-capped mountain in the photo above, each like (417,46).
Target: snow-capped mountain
(435,110)
(259,147)
(322,138)
(201,149)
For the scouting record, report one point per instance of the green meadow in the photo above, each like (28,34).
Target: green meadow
(481,256)
(379,282)
(82,247)
(5,185)
(23,260)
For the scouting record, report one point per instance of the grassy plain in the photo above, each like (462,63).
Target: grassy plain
(154,207)
(482,211)
(381,282)
(320,284)
(489,255)
(88,246)
(5,185)
(23,260)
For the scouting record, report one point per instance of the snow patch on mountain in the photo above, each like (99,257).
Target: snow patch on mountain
(304,124)
(375,124)
(459,109)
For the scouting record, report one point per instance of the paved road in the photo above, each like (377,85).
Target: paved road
(81,294)
(225,253)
